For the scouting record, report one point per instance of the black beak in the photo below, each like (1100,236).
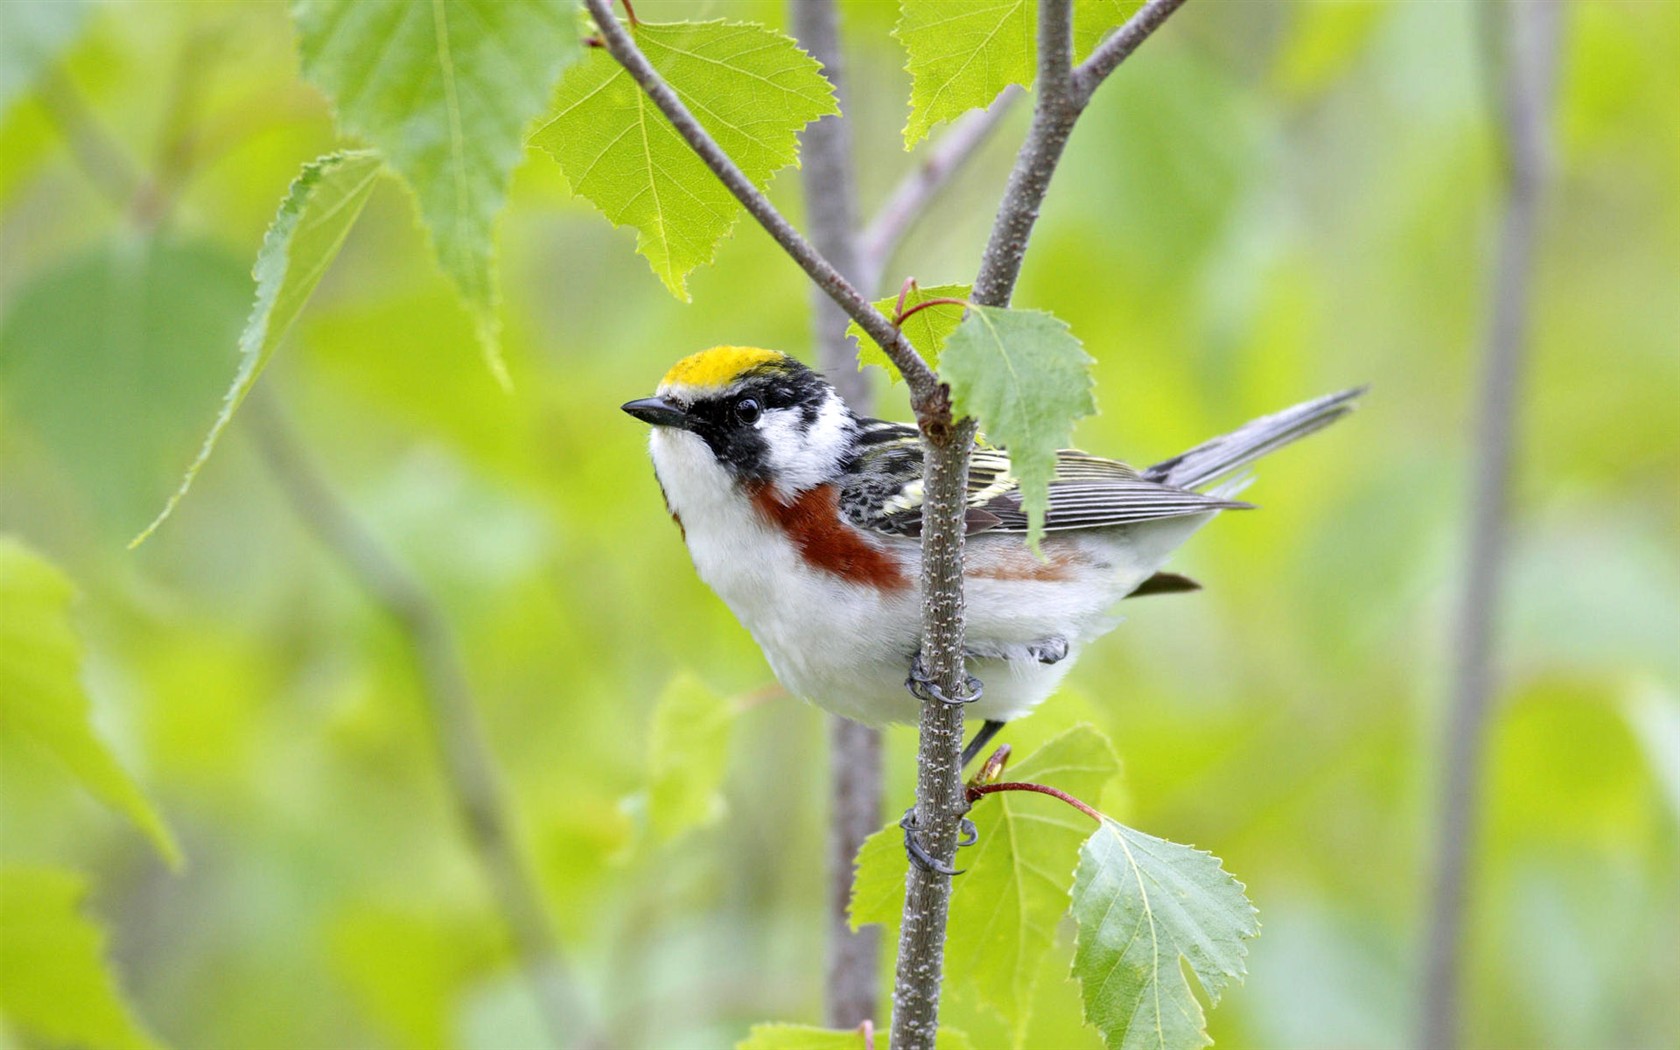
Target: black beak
(658,411)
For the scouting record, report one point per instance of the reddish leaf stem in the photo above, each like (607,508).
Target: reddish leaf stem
(905,315)
(977,790)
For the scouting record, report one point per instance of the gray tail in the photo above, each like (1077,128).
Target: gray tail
(1212,460)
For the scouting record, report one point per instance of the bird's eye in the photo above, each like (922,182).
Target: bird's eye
(747,410)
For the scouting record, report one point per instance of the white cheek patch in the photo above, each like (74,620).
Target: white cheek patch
(801,458)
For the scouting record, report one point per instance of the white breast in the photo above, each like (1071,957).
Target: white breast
(847,646)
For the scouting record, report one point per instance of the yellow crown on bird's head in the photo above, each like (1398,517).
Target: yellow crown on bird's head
(715,369)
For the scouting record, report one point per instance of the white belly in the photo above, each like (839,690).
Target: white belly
(847,646)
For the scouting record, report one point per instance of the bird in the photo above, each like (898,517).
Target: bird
(806,518)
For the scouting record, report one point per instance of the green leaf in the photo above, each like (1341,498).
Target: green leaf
(1093,20)
(54,983)
(962,54)
(1142,904)
(1005,910)
(33,33)
(445,90)
(41,696)
(749,86)
(1014,890)
(927,329)
(1024,376)
(320,208)
(810,1037)
(688,757)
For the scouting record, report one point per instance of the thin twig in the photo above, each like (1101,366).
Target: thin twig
(928,395)
(96,152)
(468,767)
(1119,47)
(1530,44)
(909,200)
(852,970)
(1062,96)
(940,799)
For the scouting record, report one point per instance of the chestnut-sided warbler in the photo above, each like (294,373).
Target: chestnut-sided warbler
(805,519)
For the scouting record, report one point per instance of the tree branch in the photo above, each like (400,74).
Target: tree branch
(909,200)
(852,971)
(468,767)
(1119,47)
(940,801)
(940,798)
(927,394)
(1530,35)
(1063,95)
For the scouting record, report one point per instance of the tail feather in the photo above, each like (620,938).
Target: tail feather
(1212,460)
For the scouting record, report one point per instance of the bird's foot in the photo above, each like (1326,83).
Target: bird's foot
(921,857)
(923,687)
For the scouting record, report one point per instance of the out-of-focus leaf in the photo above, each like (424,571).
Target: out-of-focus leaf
(1024,376)
(112,361)
(444,90)
(304,239)
(1142,905)
(1014,890)
(749,86)
(408,969)
(927,329)
(54,983)
(32,35)
(810,1037)
(1654,715)
(962,54)
(41,697)
(1326,40)
(688,757)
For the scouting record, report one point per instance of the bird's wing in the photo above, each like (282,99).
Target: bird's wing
(882,491)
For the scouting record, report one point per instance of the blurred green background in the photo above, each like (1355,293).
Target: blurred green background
(1272,201)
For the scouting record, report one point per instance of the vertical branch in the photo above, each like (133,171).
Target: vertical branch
(1528,37)
(851,970)
(940,804)
(468,767)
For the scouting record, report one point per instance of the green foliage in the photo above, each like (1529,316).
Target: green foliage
(926,329)
(444,91)
(1024,376)
(810,1037)
(133,333)
(32,35)
(41,697)
(1014,890)
(1142,905)
(750,87)
(320,208)
(54,983)
(961,54)
(687,757)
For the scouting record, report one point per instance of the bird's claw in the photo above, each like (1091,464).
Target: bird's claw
(923,687)
(921,857)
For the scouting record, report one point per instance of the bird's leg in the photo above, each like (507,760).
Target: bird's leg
(923,687)
(921,857)
(982,736)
